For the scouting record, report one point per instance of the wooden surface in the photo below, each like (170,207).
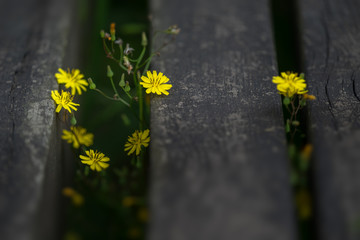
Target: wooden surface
(331,36)
(33,37)
(219,166)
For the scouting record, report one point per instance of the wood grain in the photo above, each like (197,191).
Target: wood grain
(34,38)
(331,36)
(219,167)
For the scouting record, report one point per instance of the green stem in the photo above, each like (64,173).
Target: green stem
(114,88)
(147,60)
(141,102)
(127,93)
(146,67)
(140,58)
(110,98)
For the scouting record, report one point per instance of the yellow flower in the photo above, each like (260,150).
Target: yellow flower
(289,84)
(143,214)
(138,138)
(156,83)
(309,97)
(76,198)
(73,79)
(303,203)
(134,233)
(63,100)
(129,201)
(78,136)
(96,160)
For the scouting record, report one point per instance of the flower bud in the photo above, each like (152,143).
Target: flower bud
(303,102)
(91,84)
(174,30)
(122,81)
(143,39)
(295,123)
(73,120)
(102,33)
(109,72)
(125,119)
(309,96)
(127,87)
(286,101)
(112,31)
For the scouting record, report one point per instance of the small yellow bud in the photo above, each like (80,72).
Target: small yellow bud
(307,151)
(68,191)
(309,97)
(112,31)
(143,215)
(77,199)
(129,201)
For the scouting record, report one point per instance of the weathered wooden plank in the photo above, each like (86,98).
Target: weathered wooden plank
(331,37)
(34,35)
(219,168)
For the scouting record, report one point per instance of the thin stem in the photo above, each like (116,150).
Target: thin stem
(110,98)
(127,93)
(140,58)
(141,102)
(146,66)
(114,88)
(121,53)
(147,60)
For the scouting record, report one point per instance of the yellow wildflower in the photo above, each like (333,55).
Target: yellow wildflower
(143,214)
(289,84)
(77,198)
(307,151)
(137,139)
(64,100)
(134,233)
(309,97)
(96,160)
(129,201)
(73,79)
(78,136)
(303,203)
(155,83)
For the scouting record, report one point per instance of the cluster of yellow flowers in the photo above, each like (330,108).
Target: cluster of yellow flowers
(78,136)
(73,80)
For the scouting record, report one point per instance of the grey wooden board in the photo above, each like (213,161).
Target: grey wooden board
(331,36)
(33,38)
(219,167)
